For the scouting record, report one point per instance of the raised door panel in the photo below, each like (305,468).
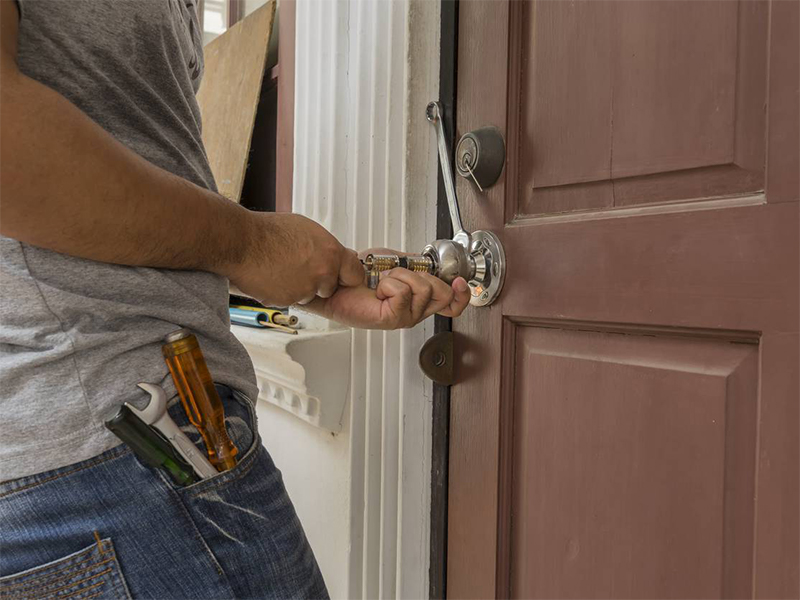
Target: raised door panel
(627,103)
(633,465)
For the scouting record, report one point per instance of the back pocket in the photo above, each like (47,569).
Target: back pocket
(93,572)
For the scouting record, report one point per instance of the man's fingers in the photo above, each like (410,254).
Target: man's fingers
(440,298)
(430,295)
(460,301)
(423,291)
(351,271)
(398,295)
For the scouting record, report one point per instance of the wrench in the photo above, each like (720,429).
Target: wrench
(155,414)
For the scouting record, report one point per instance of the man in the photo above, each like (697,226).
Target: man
(112,237)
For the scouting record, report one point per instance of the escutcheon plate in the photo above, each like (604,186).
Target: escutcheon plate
(490,259)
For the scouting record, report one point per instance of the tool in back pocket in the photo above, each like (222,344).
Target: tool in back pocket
(155,414)
(199,397)
(149,446)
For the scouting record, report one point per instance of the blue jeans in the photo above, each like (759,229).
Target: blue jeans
(111,527)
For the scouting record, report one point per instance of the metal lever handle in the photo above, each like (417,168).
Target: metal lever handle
(460,235)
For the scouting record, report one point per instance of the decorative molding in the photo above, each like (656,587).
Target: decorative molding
(301,373)
(365,168)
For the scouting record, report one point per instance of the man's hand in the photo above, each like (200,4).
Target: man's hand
(403,299)
(291,260)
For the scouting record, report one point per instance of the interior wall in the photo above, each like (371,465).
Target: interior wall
(251,5)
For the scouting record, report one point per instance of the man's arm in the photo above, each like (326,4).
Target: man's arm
(68,185)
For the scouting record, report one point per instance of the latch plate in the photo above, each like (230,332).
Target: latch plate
(436,358)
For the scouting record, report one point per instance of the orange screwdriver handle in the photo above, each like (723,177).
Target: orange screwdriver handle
(199,397)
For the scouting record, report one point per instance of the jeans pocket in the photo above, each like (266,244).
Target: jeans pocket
(246,519)
(93,572)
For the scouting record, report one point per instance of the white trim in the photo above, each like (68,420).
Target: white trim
(365,167)
(301,373)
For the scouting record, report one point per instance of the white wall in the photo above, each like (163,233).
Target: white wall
(251,5)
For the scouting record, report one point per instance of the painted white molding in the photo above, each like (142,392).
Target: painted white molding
(301,373)
(365,168)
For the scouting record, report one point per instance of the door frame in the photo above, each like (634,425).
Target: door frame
(440,428)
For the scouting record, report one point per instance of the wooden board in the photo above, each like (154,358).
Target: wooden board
(228,96)
(285,142)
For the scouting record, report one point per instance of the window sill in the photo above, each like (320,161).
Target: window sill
(305,374)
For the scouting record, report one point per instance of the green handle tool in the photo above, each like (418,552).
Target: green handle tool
(150,447)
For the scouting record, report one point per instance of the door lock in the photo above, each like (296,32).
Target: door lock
(480,156)
(478,257)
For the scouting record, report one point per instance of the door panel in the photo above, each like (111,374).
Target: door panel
(658,101)
(626,418)
(725,267)
(643,487)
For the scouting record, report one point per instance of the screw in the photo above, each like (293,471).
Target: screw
(485,295)
(439,359)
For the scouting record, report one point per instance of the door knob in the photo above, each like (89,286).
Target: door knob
(478,257)
(480,156)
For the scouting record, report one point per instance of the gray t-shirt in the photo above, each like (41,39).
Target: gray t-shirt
(76,335)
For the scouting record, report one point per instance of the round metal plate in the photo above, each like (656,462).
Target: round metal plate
(436,358)
(486,288)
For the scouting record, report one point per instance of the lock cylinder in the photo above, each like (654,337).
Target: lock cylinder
(413,262)
(445,259)
(375,263)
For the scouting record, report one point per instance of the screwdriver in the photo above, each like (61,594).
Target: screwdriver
(199,396)
(149,446)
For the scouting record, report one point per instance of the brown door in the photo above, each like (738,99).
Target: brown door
(626,419)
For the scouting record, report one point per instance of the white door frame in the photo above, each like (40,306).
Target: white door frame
(365,167)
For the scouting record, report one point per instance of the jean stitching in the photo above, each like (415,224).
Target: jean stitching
(41,585)
(43,588)
(84,580)
(95,576)
(93,463)
(32,572)
(86,589)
